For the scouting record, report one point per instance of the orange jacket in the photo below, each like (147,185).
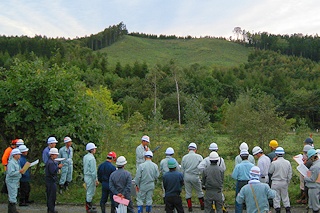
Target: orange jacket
(5,157)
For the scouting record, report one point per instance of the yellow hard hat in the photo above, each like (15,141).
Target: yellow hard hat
(273,144)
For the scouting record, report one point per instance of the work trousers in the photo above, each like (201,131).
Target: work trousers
(210,196)
(24,191)
(190,182)
(174,202)
(51,190)
(281,187)
(314,198)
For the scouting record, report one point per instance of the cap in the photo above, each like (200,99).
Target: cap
(256,150)
(149,154)
(311,153)
(192,146)
(121,161)
(52,140)
(244,152)
(279,151)
(90,146)
(214,156)
(243,145)
(112,155)
(169,151)
(307,147)
(53,151)
(23,148)
(67,139)
(145,138)
(213,147)
(172,163)
(308,141)
(20,142)
(15,151)
(273,144)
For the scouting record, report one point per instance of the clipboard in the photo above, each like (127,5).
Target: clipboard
(27,165)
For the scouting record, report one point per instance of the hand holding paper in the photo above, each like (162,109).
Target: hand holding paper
(121,200)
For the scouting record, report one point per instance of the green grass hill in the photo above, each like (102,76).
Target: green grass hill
(204,51)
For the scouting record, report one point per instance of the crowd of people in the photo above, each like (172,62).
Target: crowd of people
(261,179)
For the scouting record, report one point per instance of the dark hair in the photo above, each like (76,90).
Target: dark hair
(244,157)
(214,162)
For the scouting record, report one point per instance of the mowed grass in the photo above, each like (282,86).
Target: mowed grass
(228,149)
(204,51)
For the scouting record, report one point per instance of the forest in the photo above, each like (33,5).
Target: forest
(58,86)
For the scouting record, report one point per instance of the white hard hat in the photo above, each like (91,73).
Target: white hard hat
(192,146)
(169,151)
(244,152)
(213,147)
(243,145)
(20,142)
(256,150)
(255,171)
(145,138)
(67,139)
(214,156)
(279,151)
(148,153)
(90,146)
(53,151)
(121,161)
(52,140)
(15,151)
(23,148)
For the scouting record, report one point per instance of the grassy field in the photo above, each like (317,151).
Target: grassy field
(228,149)
(204,51)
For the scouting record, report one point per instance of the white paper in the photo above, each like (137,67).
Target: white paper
(298,159)
(34,163)
(303,170)
(59,159)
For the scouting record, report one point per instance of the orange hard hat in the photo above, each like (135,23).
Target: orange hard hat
(14,142)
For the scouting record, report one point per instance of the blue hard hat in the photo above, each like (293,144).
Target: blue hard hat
(279,151)
(311,153)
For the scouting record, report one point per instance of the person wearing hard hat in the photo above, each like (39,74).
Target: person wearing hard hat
(13,176)
(206,162)
(281,171)
(273,144)
(263,163)
(66,152)
(191,174)
(303,188)
(256,194)
(24,189)
(52,168)
(311,181)
(172,184)
(7,151)
(142,149)
(164,165)
(308,141)
(90,176)
(104,171)
(238,158)
(146,176)
(241,173)
(52,142)
(212,179)
(120,182)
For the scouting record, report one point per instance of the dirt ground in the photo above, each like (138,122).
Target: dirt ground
(67,208)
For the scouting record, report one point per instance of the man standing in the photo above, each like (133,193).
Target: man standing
(241,173)
(311,181)
(25,179)
(281,172)
(104,171)
(147,174)
(67,169)
(172,183)
(273,144)
(212,179)
(52,142)
(90,176)
(6,154)
(191,173)
(120,182)
(142,149)
(206,162)
(263,163)
(256,194)
(238,158)
(13,176)
(51,172)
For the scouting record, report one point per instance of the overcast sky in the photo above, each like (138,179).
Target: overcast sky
(72,18)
